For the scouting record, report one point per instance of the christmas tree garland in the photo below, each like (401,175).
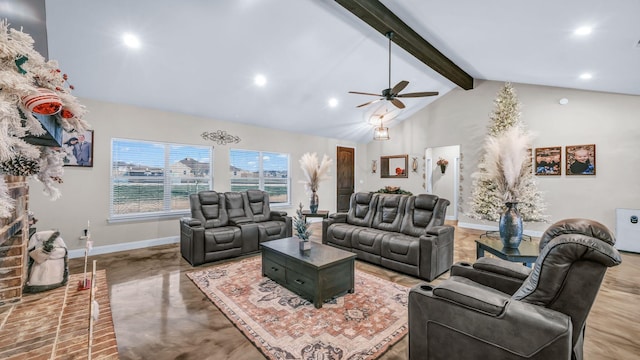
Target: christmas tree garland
(30,84)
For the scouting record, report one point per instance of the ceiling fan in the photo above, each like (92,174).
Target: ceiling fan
(393,93)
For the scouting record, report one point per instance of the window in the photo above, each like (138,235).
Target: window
(261,170)
(155,179)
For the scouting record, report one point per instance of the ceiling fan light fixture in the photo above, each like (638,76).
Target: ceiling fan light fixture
(392,93)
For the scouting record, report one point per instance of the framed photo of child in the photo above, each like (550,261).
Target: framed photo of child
(78,148)
(581,159)
(548,161)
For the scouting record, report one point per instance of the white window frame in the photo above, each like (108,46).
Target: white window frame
(261,177)
(166,212)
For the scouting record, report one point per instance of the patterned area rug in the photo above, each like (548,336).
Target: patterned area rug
(283,325)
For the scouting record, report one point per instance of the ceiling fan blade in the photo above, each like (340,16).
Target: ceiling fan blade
(419,94)
(368,103)
(363,93)
(397,103)
(399,86)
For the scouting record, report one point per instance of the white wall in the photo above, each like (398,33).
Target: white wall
(85,191)
(443,185)
(459,117)
(608,120)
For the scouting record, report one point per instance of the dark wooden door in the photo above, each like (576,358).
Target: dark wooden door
(345,177)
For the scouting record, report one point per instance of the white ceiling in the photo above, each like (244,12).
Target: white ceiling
(200,57)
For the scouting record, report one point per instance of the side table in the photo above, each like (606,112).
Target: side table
(324,214)
(527,253)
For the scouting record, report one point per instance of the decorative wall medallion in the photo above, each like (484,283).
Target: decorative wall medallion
(221,137)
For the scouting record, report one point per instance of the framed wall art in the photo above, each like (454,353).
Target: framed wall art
(548,161)
(78,148)
(581,159)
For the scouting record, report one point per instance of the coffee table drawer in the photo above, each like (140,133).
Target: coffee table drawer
(273,270)
(300,284)
(274,257)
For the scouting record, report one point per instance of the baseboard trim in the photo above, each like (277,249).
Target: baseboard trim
(495,228)
(107,249)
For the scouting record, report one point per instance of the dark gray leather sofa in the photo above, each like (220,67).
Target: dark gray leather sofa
(478,313)
(400,232)
(224,225)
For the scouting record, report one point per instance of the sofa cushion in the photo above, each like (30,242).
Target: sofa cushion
(419,214)
(367,240)
(258,205)
(222,238)
(389,212)
(209,208)
(235,205)
(401,248)
(340,234)
(361,209)
(271,230)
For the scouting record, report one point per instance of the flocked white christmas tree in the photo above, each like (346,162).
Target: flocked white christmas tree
(24,75)
(505,171)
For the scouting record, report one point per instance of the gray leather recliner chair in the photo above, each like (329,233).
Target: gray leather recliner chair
(479,313)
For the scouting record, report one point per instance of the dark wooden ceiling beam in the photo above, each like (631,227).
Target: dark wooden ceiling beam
(383,20)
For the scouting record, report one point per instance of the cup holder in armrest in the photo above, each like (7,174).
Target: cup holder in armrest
(465,264)
(426,287)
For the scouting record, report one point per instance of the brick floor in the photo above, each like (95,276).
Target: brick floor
(55,324)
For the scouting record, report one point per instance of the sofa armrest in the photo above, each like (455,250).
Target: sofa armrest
(191,222)
(333,218)
(440,230)
(436,252)
(338,217)
(192,240)
(495,273)
(277,215)
(502,267)
(522,329)
(473,296)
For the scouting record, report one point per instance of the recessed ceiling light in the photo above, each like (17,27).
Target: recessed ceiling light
(333,102)
(583,30)
(131,40)
(586,76)
(260,80)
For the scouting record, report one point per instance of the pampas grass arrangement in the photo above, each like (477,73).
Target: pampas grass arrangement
(313,171)
(506,162)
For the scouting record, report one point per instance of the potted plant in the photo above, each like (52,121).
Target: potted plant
(442,162)
(302,230)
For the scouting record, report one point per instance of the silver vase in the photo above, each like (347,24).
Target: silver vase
(313,202)
(511,226)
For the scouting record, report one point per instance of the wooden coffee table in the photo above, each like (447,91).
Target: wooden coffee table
(318,274)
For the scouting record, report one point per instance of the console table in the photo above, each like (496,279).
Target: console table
(319,214)
(318,274)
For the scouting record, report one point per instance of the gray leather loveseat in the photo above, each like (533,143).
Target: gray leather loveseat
(224,225)
(400,232)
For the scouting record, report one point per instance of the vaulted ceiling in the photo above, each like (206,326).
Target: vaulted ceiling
(201,57)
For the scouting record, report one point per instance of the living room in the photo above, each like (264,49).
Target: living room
(459,117)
